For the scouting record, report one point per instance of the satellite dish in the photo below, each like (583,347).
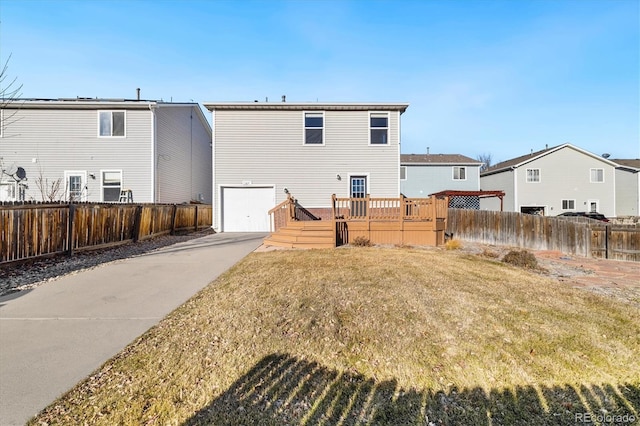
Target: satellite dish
(11,170)
(21,174)
(606,155)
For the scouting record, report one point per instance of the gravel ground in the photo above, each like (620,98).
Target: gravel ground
(30,274)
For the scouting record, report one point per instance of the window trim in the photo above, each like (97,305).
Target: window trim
(533,181)
(591,170)
(83,192)
(405,173)
(453,173)
(388,128)
(102,172)
(568,200)
(304,128)
(111,111)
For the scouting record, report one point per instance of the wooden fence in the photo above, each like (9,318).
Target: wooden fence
(36,230)
(576,236)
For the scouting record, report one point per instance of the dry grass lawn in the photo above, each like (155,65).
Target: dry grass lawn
(372,336)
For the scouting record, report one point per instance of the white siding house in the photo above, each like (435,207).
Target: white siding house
(555,180)
(424,174)
(311,150)
(95,148)
(628,187)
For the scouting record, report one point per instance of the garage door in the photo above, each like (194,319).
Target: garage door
(246,209)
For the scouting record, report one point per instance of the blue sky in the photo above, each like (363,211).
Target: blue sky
(481,76)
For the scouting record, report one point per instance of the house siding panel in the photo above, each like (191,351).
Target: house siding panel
(183,155)
(67,139)
(501,181)
(423,180)
(565,174)
(266,147)
(627,193)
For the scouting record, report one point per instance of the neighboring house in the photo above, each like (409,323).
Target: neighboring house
(262,150)
(425,174)
(555,180)
(91,149)
(628,187)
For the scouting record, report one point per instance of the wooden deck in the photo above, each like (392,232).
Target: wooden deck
(397,221)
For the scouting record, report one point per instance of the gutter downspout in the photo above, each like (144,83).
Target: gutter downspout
(515,189)
(154,160)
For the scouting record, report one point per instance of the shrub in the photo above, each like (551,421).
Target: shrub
(361,242)
(490,253)
(453,245)
(522,258)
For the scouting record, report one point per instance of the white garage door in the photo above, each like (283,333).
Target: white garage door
(246,209)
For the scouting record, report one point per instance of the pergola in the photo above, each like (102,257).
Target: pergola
(479,194)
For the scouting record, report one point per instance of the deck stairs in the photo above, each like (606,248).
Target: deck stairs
(304,234)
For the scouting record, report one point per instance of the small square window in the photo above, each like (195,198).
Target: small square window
(459,173)
(568,204)
(533,175)
(379,128)
(111,123)
(314,128)
(403,172)
(597,175)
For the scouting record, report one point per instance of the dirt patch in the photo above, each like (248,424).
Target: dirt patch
(613,278)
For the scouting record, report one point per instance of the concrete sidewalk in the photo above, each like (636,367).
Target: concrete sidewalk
(57,334)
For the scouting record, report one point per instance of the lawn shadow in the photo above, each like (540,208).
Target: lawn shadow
(281,389)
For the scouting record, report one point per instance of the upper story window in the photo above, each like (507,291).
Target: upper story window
(111,123)
(379,128)
(314,128)
(597,175)
(533,175)
(459,173)
(403,172)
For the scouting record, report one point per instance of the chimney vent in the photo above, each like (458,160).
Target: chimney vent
(284,98)
(138,93)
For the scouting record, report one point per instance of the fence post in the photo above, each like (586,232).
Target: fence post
(196,219)
(71,219)
(607,240)
(173,219)
(137,220)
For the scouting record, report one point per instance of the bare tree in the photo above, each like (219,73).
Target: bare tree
(10,92)
(485,158)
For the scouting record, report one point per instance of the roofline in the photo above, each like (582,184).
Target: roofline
(90,103)
(547,152)
(302,106)
(433,163)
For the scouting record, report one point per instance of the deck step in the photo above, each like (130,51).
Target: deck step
(303,234)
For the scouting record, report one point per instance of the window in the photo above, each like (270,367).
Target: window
(568,204)
(459,173)
(111,185)
(111,123)
(313,128)
(533,175)
(75,185)
(597,175)
(403,172)
(379,125)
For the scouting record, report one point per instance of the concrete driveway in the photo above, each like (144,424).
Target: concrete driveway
(57,334)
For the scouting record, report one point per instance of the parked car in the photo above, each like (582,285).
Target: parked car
(590,215)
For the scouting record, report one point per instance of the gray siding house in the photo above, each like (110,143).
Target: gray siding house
(628,187)
(93,148)
(555,180)
(264,150)
(424,174)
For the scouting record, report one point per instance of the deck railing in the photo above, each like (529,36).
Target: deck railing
(389,209)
